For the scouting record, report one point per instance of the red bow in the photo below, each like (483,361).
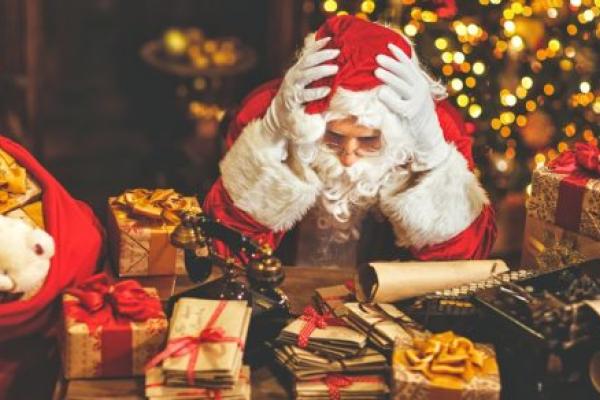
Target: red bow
(446,8)
(583,158)
(100,302)
(191,344)
(335,382)
(315,320)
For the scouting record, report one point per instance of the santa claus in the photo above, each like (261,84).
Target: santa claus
(355,129)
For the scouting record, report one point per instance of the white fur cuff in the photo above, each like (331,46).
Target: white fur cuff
(261,184)
(441,205)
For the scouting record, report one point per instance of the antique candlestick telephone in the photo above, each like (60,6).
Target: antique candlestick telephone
(264,272)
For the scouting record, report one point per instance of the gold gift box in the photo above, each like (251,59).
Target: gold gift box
(84,351)
(545,200)
(445,382)
(141,246)
(17,187)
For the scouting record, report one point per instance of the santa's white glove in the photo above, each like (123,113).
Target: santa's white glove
(407,93)
(280,118)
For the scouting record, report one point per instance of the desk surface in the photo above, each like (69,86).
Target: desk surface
(299,285)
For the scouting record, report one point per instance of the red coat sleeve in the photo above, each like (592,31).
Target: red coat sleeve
(217,203)
(476,241)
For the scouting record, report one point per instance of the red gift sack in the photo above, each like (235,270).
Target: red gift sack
(78,242)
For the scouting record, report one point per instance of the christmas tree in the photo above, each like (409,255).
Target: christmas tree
(524,73)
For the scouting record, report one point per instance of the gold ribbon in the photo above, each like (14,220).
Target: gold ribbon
(158,204)
(13,178)
(446,360)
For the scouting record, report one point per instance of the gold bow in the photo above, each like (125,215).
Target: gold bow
(13,178)
(157,204)
(447,360)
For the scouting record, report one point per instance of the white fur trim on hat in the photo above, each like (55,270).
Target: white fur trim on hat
(261,184)
(443,203)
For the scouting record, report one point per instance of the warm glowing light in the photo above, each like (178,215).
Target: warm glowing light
(554,45)
(508,13)
(478,68)
(539,159)
(501,165)
(510,153)
(528,190)
(175,41)
(456,84)
(343,12)
(510,100)
(585,87)
(588,15)
(572,29)
(462,100)
(475,110)
(447,57)
(521,120)
(470,82)
(516,43)
(566,65)
(548,89)
(429,16)
(367,6)
(576,3)
(460,29)
(459,57)
(521,92)
(447,70)
(410,30)
(505,131)
(441,43)
(562,147)
(596,106)
(588,135)
(570,130)
(570,52)
(552,12)
(495,123)
(527,82)
(530,105)
(330,6)
(472,29)
(509,27)
(507,118)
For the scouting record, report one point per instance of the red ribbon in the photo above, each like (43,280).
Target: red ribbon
(446,8)
(581,164)
(112,307)
(191,344)
(314,320)
(335,382)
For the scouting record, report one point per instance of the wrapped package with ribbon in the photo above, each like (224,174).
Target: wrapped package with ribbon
(303,364)
(388,282)
(332,298)
(339,387)
(110,329)
(383,324)
(205,345)
(563,211)
(157,389)
(444,366)
(139,224)
(17,188)
(323,334)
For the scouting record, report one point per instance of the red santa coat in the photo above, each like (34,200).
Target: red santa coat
(472,242)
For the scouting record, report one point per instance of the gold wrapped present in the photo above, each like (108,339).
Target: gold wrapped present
(110,330)
(17,188)
(139,224)
(444,366)
(340,387)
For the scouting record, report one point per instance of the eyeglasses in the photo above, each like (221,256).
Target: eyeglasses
(367,146)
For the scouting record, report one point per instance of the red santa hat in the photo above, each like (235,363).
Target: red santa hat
(354,87)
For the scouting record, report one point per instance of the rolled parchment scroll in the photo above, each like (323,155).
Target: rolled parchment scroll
(386,282)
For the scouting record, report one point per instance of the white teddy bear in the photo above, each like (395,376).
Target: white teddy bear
(25,253)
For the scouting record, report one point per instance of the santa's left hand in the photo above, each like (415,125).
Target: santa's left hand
(407,93)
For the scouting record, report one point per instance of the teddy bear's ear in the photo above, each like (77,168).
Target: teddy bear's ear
(42,243)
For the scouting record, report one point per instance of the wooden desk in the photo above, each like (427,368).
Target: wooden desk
(299,284)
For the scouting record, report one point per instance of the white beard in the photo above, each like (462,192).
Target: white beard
(348,192)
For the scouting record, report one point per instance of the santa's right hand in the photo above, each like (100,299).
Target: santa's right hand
(294,94)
